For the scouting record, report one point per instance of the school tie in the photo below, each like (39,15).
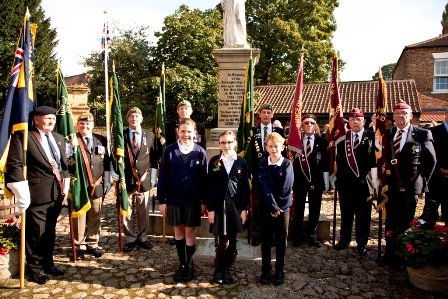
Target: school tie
(53,151)
(397,142)
(308,147)
(356,143)
(135,143)
(89,143)
(265,135)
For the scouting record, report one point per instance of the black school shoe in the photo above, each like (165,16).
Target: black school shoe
(265,278)
(279,278)
(179,274)
(188,273)
(40,278)
(96,252)
(227,277)
(217,277)
(128,247)
(54,271)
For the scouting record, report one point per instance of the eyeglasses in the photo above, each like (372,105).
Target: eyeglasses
(401,113)
(309,123)
(226,142)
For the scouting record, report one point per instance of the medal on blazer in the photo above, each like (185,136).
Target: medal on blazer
(144,140)
(416,149)
(101,150)
(351,159)
(369,150)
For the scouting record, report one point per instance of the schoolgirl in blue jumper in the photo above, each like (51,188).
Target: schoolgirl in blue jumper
(181,193)
(276,177)
(227,201)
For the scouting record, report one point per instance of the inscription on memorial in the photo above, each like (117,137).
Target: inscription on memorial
(231,94)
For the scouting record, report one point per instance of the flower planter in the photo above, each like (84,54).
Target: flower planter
(9,264)
(430,278)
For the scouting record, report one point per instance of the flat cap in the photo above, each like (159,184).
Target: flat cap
(85,117)
(401,105)
(44,110)
(309,115)
(184,103)
(356,112)
(265,106)
(133,110)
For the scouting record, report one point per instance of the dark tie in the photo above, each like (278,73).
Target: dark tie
(308,147)
(53,151)
(135,143)
(89,143)
(397,142)
(356,143)
(265,135)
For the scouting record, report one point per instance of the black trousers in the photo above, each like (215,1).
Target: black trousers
(273,227)
(431,211)
(314,205)
(400,209)
(256,227)
(225,251)
(361,208)
(40,234)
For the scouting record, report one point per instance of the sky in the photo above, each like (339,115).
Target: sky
(369,33)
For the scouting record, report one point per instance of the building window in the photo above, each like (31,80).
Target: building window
(440,72)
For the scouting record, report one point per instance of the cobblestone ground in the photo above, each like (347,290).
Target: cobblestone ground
(310,272)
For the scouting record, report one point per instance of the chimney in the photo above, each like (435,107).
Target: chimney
(444,30)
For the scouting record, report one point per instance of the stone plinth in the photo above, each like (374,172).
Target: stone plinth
(232,65)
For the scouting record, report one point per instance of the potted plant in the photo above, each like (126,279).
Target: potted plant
(9,243)
(426,255)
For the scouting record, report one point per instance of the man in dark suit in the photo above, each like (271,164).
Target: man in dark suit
(310,178)
(45,187)
(259,153)
(411,160)
(356,181)
(438,184)
(139,147)
(96,165)
(184,110)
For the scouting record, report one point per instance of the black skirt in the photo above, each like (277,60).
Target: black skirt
(184,215)
(228,222)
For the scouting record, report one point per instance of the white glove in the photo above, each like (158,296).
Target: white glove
(374,174)
(333,181)
(21,191)
(326,181)
(113,174)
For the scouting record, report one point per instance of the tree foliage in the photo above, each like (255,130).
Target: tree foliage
(387,71)
(444,20)
(12,13)
(281,27)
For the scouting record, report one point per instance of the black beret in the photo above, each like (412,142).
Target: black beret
(309,116)
(44,110)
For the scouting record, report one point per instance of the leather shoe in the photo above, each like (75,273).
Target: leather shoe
(179,273)
(145,245)
(217,276)
(314,243)
(128,247)
(279,278)
(265,278)
(296,243)
(96,252)
(40,278)
(54,271)
(188,273)
(227,277)
(362,251)
(255,242)
(79,254)
(340,246)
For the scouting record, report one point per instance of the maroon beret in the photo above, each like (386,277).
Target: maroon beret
(356,113)
(401,105)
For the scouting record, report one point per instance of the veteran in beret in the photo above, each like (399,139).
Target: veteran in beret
(184,110)
(96,165)
(411,159)
(310,180)
(356,181)
(42,192)
(259,153)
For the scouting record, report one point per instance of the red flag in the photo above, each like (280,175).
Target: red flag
(381,142)
(336,130)
(295,138)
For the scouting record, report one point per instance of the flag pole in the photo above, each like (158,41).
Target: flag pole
(106,78)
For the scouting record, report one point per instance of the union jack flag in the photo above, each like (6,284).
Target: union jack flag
(105,40)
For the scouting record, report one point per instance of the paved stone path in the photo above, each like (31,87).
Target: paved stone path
(310,272)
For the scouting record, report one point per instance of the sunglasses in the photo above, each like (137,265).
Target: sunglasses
(226,142)
(309,123)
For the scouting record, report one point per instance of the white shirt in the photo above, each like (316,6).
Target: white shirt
(311,140)
(185,150)
(228,163)
(262,131)
(279,162)
(46,146)
(404,136)
(359,136)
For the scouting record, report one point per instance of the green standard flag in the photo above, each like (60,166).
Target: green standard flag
(64,125)
(247,116)
(118,143)
(159,124)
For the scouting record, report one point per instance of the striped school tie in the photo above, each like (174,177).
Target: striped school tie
(135,144)
(308,147)
(265,135)
(397,142)
(356,143)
